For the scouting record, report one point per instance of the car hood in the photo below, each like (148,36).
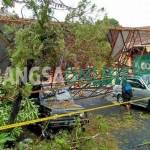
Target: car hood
(63,107)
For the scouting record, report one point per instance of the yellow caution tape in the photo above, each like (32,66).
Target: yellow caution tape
(5,127)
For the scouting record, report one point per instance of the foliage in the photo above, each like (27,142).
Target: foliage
(28,46)
(102,124)
(7,2)
(9,89)
(91,45)
(101,134)
(34,43)
(61,142)
(114,22)
(45,42)
(90,35)
(9,33)
(28,111)
(77,139)
(4,137)
(81,13)
(4,112)
(41,10)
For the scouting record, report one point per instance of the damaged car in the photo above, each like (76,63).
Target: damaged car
(57,103)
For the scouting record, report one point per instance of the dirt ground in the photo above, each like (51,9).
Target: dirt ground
(134,137)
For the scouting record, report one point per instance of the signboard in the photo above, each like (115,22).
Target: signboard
(141,65)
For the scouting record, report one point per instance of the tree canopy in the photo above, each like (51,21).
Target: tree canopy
(47,41)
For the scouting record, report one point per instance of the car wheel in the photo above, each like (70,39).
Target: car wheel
(119,98)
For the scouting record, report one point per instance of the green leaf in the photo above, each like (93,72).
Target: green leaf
(4,137)
(7,2)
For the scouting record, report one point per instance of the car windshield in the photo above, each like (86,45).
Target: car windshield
(146,79)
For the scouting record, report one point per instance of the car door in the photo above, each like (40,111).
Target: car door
(139,91)
(136,87)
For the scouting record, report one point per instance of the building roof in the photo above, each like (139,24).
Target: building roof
(11,20)
(124,38)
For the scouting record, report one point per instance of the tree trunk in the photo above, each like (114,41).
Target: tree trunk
(15,108)
(17,103)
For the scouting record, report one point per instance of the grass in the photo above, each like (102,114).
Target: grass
(99,135)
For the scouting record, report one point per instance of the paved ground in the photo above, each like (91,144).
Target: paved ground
(129,139)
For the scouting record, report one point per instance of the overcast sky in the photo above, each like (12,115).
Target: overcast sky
(128,12)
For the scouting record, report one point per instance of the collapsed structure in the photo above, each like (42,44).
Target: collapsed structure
(128,43)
